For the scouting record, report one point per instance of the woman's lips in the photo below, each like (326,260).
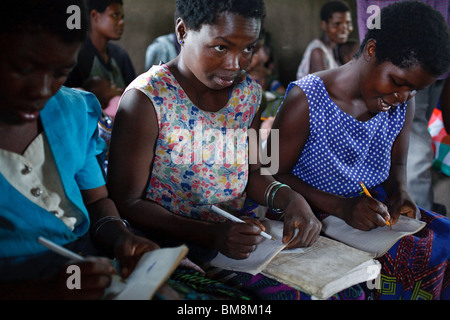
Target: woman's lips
(385,106)
(28,116)
(224,81)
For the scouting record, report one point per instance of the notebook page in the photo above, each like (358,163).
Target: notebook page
(150,273)
(376,241)
(259,258)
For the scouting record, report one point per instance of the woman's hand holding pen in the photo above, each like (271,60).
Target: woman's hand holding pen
(237,240)
(95,278)
(364,213)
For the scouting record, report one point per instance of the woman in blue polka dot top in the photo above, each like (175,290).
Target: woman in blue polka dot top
(351,124)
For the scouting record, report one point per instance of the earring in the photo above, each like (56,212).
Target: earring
(181,42)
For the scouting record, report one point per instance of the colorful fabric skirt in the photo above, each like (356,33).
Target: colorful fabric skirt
(260,287)
(416,267)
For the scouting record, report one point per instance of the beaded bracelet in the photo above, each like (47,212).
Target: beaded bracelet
(107,219)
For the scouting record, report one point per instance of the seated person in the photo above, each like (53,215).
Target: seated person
(348,50)
(52,184)
(103,90)
(99,56)
(262,69)
(162,50)
(322,53)
(350,124)
(158,180)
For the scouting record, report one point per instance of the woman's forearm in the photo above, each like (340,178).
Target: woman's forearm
(152,218)
(320,201)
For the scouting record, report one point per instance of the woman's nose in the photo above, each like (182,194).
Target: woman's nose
(405,95)
(232,62)
(43,86)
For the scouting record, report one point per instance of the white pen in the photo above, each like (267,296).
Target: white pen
(59,249)
(236,219)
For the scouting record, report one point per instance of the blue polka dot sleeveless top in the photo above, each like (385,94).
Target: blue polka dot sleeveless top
(340,150)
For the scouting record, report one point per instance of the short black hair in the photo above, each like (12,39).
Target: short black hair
(327,10)
(411,33)
(195,13)
(44,16)
(101,5)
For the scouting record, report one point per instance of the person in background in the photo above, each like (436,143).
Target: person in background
(162,50)
(352,124)
(100,60)
(104,91)
(348,50)
(99,56)
(52,184)
(441,146)
(262,69)
(322,54)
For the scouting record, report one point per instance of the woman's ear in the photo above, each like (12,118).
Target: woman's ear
(180,30)
(93,16)
(369,50)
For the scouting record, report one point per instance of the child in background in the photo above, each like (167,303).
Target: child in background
(104,91)
(348,50)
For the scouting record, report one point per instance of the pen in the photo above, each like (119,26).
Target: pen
(69,254)
(59,249)
(236,219)
(368,194)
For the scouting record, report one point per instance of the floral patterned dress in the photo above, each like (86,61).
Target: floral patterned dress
(201,157)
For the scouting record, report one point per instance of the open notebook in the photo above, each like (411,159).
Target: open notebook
(376,241)
(150,273)
(321,270)
(259,258)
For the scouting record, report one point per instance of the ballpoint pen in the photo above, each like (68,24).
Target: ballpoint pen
(67,253)
(236,219)
(59,249)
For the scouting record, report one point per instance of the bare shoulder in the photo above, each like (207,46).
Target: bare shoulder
(294,109)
